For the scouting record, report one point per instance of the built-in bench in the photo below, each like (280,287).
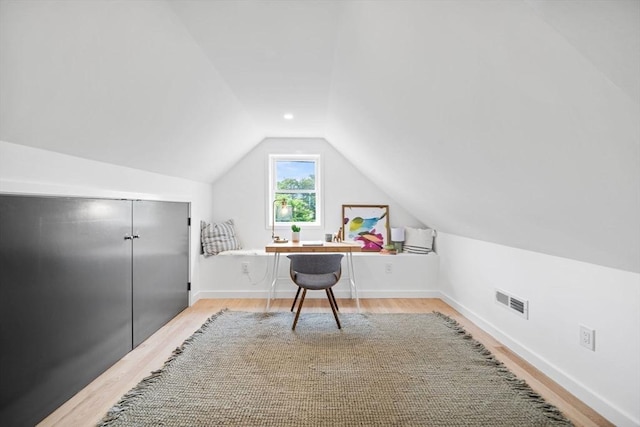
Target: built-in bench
(245,273)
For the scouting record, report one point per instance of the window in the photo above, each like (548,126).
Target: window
(294,179)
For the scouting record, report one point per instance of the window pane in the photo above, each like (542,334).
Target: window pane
(295,175)
(296,179)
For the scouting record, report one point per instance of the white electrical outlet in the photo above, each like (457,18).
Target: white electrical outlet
(388,268)
(588,338)
(245,268)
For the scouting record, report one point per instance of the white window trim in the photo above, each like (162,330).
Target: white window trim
(273,158)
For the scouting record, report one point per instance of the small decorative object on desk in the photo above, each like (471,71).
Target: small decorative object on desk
(338,236)
(389,250)
(397,237)
(295,233)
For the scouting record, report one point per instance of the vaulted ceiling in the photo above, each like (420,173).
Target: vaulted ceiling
(509,121)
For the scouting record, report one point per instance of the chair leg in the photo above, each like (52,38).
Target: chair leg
(304,293)
(333,297)
(295,299)
(333,308)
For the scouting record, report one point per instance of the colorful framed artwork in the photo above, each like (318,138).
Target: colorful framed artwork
(367,225)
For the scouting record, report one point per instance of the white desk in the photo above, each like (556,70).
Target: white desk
(327,247)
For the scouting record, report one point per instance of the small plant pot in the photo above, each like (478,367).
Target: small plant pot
(295,236)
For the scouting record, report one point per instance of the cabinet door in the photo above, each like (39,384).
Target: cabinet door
(160,265)
(65,299)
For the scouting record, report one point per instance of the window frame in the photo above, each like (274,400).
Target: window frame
(272,190)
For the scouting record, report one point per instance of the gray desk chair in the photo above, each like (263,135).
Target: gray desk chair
(315,272)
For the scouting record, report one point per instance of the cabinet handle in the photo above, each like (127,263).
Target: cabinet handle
(127,237)
(136,236)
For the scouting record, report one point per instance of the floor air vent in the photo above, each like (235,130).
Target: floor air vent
(513,303)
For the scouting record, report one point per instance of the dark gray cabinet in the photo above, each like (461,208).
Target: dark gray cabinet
(76,295)
(160,261)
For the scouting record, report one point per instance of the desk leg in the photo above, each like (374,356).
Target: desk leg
(352,280)
(274,279)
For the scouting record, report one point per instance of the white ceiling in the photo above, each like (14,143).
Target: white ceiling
(276,57)
(514,122)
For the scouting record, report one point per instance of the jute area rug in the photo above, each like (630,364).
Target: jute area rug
(251,369)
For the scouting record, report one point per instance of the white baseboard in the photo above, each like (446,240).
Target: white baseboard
(242,294)
(575,387)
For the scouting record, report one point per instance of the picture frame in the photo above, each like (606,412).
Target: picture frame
(367,225)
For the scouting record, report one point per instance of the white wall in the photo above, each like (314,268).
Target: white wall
(117,81)
(507,132)
(26,170)
(241,193)
(562,295)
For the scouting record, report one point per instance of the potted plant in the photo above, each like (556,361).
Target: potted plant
(295,233)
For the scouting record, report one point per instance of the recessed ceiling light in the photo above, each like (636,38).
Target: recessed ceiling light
(288,116)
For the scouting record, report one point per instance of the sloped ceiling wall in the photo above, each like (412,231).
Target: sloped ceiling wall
(514,122)
(120,82)
(277,56)
(485,122)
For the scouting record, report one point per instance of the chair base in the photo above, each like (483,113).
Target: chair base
(332,302)
(333,298)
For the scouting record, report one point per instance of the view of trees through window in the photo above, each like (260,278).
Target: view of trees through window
(295,182)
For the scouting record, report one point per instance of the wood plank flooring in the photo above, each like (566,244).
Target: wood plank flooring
(90,404)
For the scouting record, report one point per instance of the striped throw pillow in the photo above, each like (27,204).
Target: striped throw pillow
(418,240)
(218,237)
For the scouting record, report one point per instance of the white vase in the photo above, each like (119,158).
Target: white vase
(295,236)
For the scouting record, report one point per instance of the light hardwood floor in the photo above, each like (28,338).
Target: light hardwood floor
(90,404)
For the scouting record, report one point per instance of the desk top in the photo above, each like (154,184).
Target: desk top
(325,247)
